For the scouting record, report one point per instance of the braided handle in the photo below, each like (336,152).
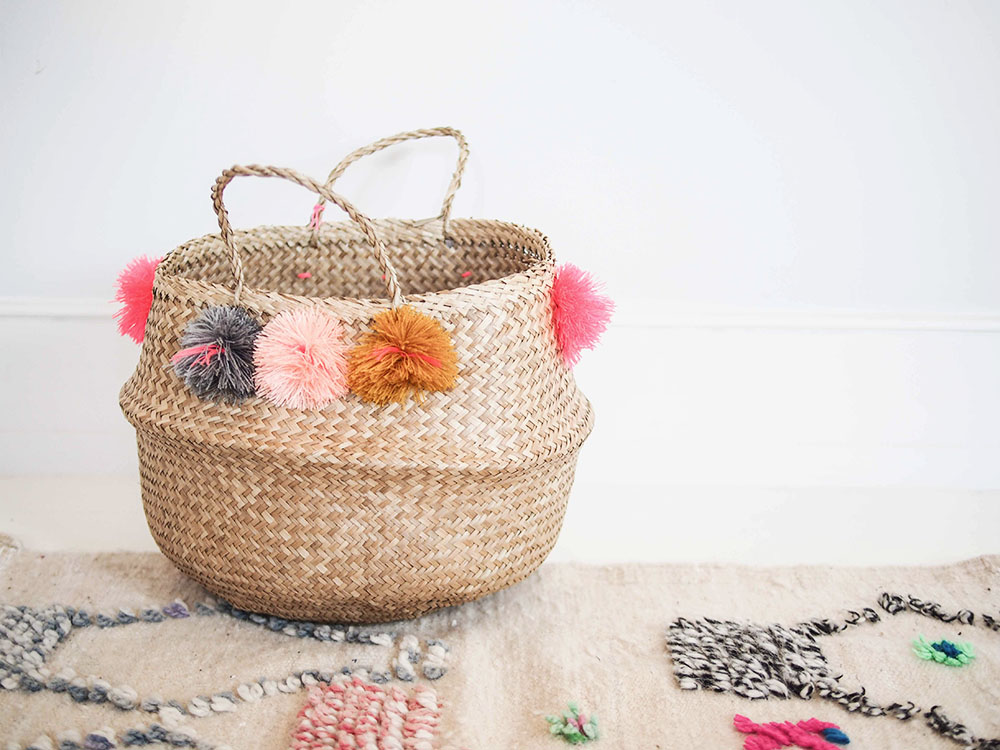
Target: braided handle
(256,170)
(410,135)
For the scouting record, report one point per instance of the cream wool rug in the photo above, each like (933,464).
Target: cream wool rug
(115,650)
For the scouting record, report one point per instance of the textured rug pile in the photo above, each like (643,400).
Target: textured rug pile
(120,650)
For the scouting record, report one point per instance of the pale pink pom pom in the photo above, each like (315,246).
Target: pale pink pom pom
(301,359)
(580,313)
(134,289)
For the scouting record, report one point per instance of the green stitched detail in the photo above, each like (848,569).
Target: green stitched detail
(573,726)
(944,652)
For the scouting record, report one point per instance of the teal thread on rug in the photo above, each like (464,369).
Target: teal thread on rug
(574,727)
(944,652)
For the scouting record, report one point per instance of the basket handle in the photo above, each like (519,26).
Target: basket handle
(409,135)
(325,193)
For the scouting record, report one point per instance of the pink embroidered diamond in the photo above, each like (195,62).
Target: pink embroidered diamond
(353,714)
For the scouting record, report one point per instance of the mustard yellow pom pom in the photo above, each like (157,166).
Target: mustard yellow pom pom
(407,353)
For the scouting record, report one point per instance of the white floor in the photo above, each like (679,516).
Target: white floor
(609,523)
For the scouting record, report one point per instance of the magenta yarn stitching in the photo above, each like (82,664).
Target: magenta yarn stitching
(811,734)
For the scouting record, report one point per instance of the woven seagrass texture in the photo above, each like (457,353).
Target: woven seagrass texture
(358,512)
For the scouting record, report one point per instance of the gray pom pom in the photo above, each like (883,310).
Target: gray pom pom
(216,356)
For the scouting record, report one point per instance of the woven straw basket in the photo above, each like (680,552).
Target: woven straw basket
(358,512)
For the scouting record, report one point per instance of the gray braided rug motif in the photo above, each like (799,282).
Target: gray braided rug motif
(758,662)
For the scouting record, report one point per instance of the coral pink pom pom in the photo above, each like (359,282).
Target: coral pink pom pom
(580,313)
(301,359)
(134,289)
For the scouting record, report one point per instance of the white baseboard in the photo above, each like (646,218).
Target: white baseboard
(629,314)
(56,307)
(645,315)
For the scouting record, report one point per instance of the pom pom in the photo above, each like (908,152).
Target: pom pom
(301,359)
(406,353)
(216,356)
(134,289)
(580,313)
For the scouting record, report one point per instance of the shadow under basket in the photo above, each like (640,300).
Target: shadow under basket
(357,512)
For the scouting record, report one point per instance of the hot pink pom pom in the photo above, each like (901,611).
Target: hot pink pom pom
(580,313)
(134,289)
(301,359)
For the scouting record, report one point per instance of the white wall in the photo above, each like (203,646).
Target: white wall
(794,203)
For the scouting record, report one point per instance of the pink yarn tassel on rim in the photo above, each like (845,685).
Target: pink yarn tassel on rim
(580,312)
(134,290)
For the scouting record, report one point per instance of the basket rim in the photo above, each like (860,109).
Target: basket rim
(165,271)
(178,290)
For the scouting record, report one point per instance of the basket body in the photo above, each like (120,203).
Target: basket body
(357,512)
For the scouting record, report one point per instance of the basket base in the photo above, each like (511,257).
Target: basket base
(323,543)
